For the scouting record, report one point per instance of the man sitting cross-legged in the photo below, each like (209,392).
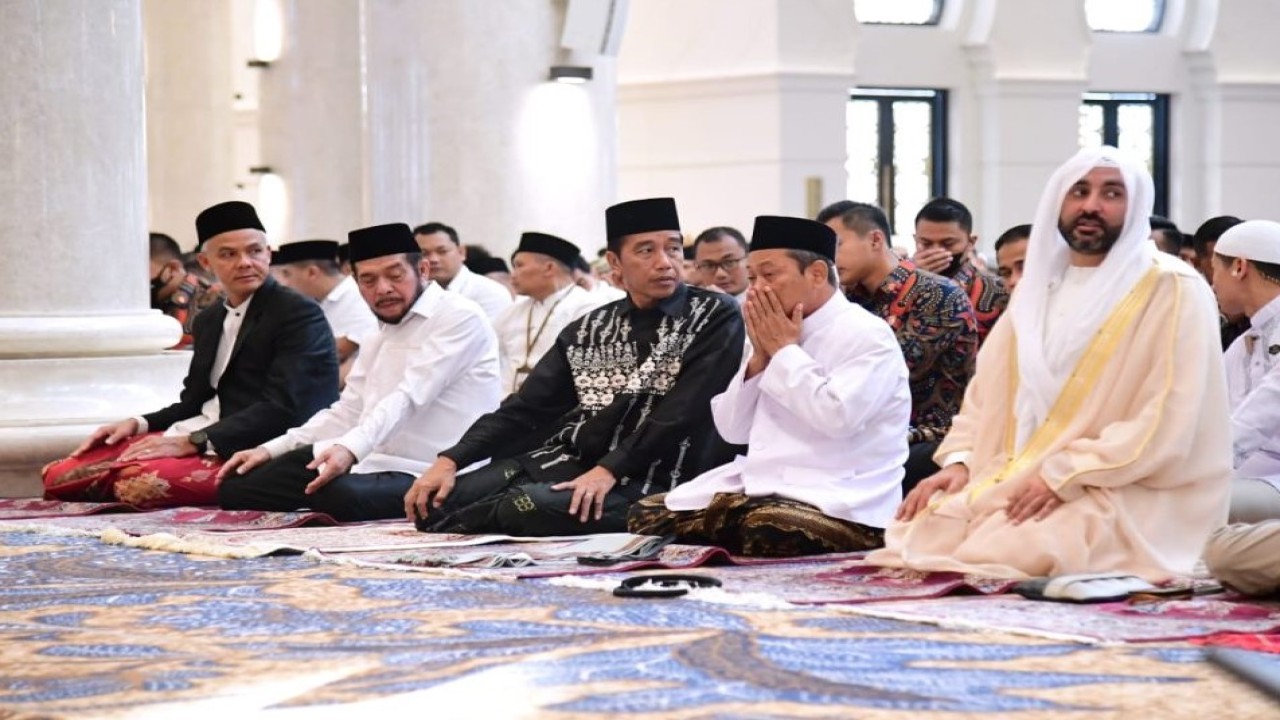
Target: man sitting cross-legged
(822,403)
(262,362)
(429,371)
(618,405)
(1095,436)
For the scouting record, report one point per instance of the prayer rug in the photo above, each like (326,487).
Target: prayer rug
(840,581)
(1257,642)
(209,520)
(88,630)
(28,508)
(1103,623)
(546,558)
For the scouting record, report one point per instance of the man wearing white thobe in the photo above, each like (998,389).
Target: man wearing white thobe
(823,404)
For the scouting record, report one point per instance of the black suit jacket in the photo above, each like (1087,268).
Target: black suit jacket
(283,369)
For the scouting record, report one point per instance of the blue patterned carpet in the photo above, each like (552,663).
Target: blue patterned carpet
(90,630)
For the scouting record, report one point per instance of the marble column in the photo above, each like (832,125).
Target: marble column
(190,119)
(310,118)
(78,343)
(396,109)
(461,125)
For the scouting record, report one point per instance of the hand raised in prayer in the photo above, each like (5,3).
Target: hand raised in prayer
(1033,500)
(156,447)
(244,461)
(589,490)
(433,486)
(108,435)
(949,479)
(768,325)
(331,463)
(757,361)
(935,260)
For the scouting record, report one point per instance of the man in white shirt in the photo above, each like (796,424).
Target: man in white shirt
(444,256)
(585,278)
(823,404)
(1246,279)
(721,254)
(311,268)
(417,384)
(261,362)
(542,275)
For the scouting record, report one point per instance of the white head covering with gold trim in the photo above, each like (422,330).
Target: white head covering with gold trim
(1048,257)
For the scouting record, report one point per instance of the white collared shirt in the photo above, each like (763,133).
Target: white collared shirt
(1253,388)
(490,295)
(347,313)
(539,321)
(415,387)
(211,411)
(825,423)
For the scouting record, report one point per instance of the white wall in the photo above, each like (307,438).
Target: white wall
(729,105)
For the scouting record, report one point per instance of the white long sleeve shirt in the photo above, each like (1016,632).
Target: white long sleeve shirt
(415,387)
(528,329)
(825,423)
(490,295)
(1253,388)
(348,314)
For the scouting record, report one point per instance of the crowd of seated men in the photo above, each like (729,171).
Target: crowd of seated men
(1106,398)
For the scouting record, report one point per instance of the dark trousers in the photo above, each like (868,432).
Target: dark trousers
(502,498)
(919,464)
(279,484)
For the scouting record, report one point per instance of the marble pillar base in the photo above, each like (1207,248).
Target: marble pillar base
(51,404)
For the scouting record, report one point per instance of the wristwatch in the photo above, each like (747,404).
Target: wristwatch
(200,439)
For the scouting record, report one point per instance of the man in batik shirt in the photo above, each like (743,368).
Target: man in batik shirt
(176,292)
(930,315)
(944,245)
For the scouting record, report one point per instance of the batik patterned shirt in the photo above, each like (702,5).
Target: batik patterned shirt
(936,329)
(193,295)
(625,388)
(987,294)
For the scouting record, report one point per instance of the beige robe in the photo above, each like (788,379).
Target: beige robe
(1138,445)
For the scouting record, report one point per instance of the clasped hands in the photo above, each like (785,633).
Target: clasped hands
(1033,499)
(769,327)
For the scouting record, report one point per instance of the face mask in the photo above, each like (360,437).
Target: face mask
(956,261)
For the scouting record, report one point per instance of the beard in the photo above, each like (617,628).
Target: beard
(1099,243)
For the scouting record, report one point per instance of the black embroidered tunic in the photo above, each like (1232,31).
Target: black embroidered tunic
(625,388)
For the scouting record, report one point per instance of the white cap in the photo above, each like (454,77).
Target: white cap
(1257,240)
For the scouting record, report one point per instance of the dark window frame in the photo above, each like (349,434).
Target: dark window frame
(1110,103)
(937,98)
(933,20)
(1157,21)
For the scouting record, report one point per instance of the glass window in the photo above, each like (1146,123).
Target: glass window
(897,12)
(1124,15)
(1137,123)
(896,143)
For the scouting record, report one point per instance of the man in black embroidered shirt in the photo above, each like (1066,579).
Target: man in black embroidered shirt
(618,409)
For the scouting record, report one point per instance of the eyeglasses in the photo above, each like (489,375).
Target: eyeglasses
(727,265)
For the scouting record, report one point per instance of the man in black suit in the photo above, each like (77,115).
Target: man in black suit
(263,362)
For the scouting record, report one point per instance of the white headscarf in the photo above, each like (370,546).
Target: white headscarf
(1048,257)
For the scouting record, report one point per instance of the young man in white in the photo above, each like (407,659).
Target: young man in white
(1246,279)
(542,274)
(311,268)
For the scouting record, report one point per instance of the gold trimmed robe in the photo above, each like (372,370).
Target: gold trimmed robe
(1138,446)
